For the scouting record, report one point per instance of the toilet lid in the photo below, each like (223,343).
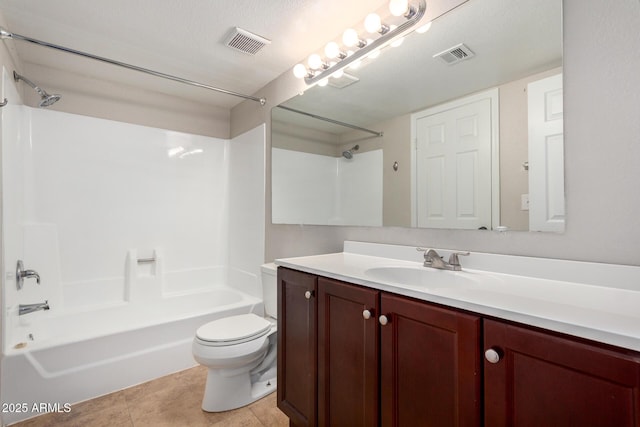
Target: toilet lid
(234,329)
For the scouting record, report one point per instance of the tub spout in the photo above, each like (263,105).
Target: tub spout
(30,308)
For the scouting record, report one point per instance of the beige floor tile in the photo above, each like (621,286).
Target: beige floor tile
(114,401)
(239,418)
(46,420)
(268,413)
(174,400)
(194,376)
(169,384)
(173,409)
(109,417)
(109,410)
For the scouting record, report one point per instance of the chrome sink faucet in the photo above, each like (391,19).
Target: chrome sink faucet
(30,308)
(434,260)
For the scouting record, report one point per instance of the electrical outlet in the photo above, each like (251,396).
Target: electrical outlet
(524,202)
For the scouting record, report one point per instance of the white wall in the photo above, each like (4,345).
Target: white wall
(144,107)
(602,131)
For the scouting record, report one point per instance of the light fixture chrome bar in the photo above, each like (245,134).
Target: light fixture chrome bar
(335,122)
(4,34)
(380,42)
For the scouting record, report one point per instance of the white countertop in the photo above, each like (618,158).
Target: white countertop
(605,312)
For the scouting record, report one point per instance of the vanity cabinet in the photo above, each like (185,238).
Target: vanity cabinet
(297,346)
(537,378)
(430,365)
(382,359)
(348,358)
(356,356)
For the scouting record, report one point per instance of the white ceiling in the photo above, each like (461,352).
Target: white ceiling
(178,37)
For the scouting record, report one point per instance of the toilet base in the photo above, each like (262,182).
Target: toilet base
(224,393)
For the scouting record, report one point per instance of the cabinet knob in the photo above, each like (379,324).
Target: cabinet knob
(383,320)
(366,314)
(492,355)
(308,294)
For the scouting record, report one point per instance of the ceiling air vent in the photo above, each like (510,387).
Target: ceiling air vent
(245,42)
(343,81)
(455,54)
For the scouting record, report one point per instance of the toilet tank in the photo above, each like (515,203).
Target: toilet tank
(269,289)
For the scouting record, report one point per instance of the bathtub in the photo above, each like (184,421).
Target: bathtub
(64,359)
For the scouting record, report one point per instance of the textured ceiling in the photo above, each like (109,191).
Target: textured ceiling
(178,37)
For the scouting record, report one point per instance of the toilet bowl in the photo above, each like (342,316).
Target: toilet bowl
(240,353)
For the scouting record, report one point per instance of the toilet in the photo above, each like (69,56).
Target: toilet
(240,353)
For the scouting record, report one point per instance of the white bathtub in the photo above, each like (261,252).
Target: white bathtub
(77,356)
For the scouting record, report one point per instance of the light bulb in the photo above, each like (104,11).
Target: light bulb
(332,50)
(398,7)
(424,28)
(300,71)
(314,61)
(323,82)
(350,37)
(372,23)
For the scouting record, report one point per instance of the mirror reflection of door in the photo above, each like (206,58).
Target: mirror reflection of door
(453,163)
(546,155)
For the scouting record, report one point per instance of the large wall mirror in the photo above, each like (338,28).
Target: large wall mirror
(470,114)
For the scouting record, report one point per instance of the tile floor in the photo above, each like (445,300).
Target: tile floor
(173,400)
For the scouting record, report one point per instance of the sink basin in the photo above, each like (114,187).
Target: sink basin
(421,277)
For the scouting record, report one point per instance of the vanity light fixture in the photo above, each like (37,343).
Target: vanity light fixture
(319,69)
(401,8)
(350,38)
(373,24)
(332,50)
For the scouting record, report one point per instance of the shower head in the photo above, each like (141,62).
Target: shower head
(348,154)
(45,98)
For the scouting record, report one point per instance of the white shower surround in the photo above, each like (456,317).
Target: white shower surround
(324,190)
(83,198)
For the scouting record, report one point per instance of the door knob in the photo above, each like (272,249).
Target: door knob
(492,355)
(366,314)
(383,320)
(308,294)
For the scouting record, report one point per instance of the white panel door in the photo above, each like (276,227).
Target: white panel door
(546,155)
(453,167)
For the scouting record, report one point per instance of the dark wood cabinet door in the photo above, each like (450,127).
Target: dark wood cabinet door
(546,380)
(297,346)
(431,365)
(347,355)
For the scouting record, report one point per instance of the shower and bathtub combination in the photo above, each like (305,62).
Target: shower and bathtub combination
(139,237)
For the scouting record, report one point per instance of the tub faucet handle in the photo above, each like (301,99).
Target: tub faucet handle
(22,274)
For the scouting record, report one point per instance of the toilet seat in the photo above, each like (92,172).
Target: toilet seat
(233,330)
